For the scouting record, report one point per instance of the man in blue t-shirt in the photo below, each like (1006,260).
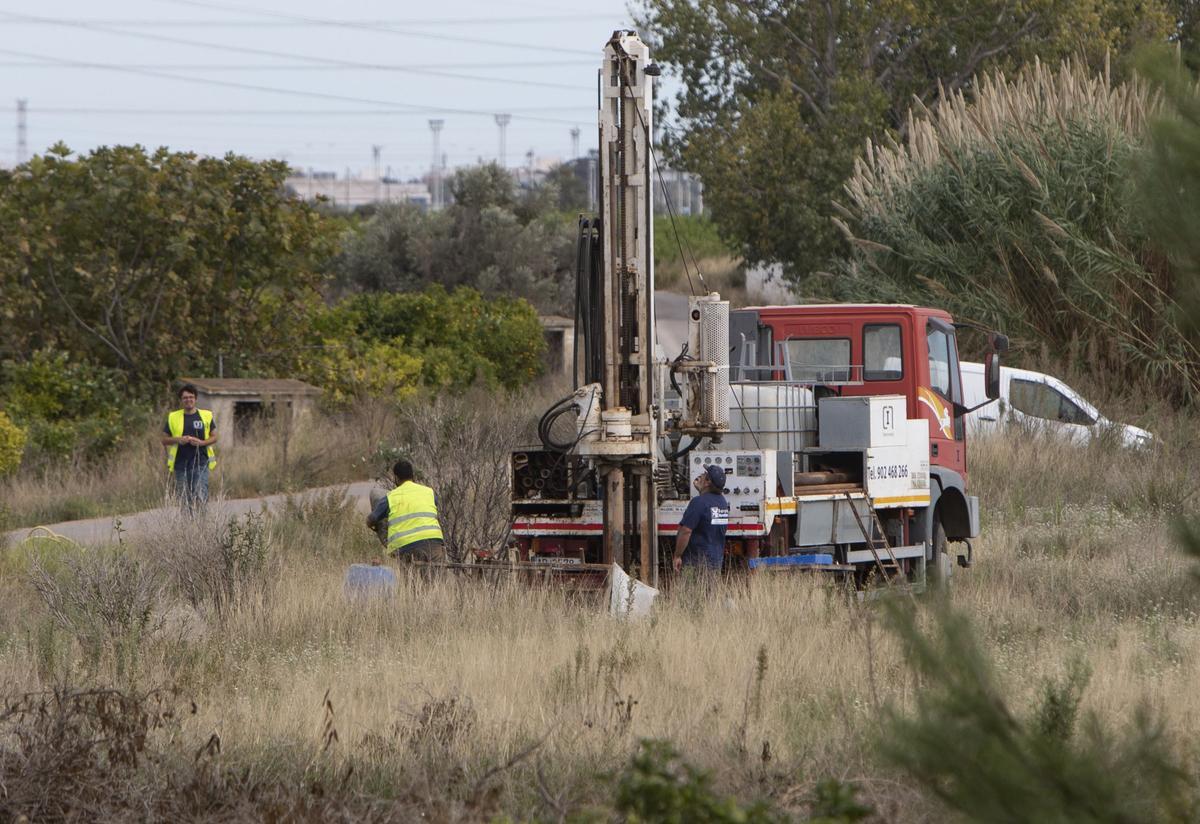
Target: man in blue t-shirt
(701,539)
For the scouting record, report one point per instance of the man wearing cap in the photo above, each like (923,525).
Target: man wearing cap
(700,542)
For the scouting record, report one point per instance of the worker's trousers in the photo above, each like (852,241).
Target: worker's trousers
(432,550)
(191,487)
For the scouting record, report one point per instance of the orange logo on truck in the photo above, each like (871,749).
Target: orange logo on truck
(941,412)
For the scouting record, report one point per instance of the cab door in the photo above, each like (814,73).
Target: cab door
(937,399)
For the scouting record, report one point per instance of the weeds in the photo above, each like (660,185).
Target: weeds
(108,600)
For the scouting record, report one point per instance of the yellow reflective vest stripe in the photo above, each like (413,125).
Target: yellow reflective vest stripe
(175,424)
(412,516)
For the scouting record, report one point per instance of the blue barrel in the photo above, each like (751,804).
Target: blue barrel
(366,580)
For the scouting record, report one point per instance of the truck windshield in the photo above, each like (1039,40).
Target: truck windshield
(818,360)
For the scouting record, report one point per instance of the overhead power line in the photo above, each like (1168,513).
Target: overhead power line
(396,108)
(291,67)
(269,112)
(346,24)
(324,61)
(238,24)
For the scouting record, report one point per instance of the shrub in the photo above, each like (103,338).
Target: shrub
(214,563)
(69,406)
(448,339)
(12,445)
(461,446)
(658,786)
(108,599)
(1015,211)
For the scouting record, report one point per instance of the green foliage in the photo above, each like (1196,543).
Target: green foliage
(1169,176)
(389,344)
(698,235)
(12,445)
(570,191)
(837,803)
(491,237)
(153,262)
(1014,211)
(965,745)
(69,407)
(659,787)
(776,97)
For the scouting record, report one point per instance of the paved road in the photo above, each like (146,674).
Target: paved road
(671,311)
(95,531)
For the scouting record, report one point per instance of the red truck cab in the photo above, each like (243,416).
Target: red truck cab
(874,349)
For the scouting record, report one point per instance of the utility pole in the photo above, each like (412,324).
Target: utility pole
(375,150)
(502,121)
(593,186)
(529,165)
(574,142)
(435,173)
(22,148)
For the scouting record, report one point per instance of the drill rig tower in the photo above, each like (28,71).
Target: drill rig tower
(621,344)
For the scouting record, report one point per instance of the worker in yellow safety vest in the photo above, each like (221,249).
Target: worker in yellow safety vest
(189,434)
(410,513)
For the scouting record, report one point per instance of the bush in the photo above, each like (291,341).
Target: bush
(12,445)
(108,599)
(390,343)
(968,747)
(492,237)
(69,406)
(1015,211)
(658,786)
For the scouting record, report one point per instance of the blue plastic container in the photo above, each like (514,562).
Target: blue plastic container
(367,580)
(806,559)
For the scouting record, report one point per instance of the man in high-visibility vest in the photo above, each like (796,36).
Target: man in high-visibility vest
(410,513)
(189,435)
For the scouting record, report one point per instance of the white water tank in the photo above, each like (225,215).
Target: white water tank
(780,416)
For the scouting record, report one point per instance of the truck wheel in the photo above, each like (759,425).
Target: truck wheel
(941,567)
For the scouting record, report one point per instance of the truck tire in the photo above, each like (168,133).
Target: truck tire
(941,566)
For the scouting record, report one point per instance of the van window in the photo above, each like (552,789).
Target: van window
(819,360)
(1040,400)
(883,358)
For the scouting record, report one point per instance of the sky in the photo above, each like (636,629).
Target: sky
(317,84)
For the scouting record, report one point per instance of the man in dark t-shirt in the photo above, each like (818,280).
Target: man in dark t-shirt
(188,434)
(700,541)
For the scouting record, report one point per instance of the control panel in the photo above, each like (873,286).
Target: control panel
(749,476)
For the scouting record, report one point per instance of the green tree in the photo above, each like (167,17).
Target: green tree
(432,338)
(777,96)
(154,262)
(968,746)
(492,237)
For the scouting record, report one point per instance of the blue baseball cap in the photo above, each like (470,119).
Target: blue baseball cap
(716,476)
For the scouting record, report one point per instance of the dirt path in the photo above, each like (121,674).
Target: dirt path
(95,531)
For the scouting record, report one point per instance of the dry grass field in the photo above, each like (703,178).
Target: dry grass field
(470,700)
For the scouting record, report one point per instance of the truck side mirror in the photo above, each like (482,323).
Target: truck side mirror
(991,375)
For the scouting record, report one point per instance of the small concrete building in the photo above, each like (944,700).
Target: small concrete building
(560,344)
(239,403)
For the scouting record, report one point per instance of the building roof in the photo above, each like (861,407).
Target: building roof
(252,386)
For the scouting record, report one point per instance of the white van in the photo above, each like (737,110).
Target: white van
(1037,400)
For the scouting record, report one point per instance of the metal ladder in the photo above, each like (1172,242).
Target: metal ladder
(892,565)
